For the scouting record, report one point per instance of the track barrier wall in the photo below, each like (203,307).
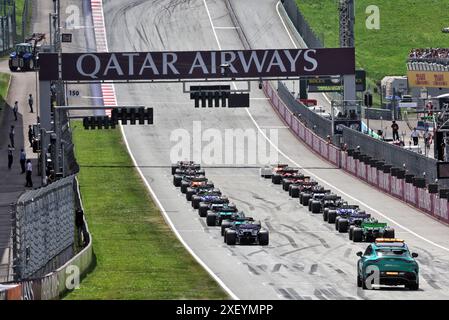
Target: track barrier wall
(377,174)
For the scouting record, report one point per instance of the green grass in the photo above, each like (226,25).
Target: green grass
(4,82)
(404,24)
(137,255)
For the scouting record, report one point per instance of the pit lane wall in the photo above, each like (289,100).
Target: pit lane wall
(54,285)
(394,181)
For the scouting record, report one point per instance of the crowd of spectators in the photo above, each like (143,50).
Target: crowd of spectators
(438,55)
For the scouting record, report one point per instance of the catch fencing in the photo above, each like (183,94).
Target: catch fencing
(300,23)
(55,284)
(7,25)
(26,19)
(44,229)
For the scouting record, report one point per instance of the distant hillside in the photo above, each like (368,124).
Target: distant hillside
(404,24)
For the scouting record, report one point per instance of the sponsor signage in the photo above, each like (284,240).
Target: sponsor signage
(428,79)
(335,84)
(198,64)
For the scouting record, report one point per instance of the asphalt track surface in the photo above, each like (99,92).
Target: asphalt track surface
(306,259)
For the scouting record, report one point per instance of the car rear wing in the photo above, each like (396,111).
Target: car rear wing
(372,225)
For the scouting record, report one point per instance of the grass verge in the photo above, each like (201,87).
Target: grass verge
(137,255)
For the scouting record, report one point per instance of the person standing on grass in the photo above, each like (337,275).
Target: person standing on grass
(12,133)
(29,172)
(395,129)
(10,156)
(30,135)
(23,158)
(15,109)
(415,137)
(30,102)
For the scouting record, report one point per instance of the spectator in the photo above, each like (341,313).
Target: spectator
(427,138)
(12,133)
(415,136)
(15,109)
(10,156)
(23,158)
(29,172)
(395,128)
(30,135)
(30,102)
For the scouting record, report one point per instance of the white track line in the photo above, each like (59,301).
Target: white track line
(161,207)
(311,173)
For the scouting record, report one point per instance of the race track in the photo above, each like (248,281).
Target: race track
(306,259)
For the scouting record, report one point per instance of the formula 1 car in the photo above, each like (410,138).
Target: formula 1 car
(349,217)
(286,172)
(318,199)
(298,178)
(268,171)
(182,165)
(218,213)
(209,201)
(296,188)
(369,231)
(195,182)
(387,262)
(331,202)
(307,193)
(247,231)
(180,173)
(196,195)
(343,210)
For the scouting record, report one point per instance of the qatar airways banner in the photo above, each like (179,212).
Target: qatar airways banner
(198,64)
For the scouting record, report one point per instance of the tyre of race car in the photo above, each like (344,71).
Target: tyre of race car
(294,191)
(309,204)
(225,225)
(232,205)
(389,233)
(210,184)
(357,235)
(196,201)
(331,216)
(231,237)
(173,168)
(184,186)
(285,184)
(325,214)
(201,171)
(211,219)
(343,225)
(225,199)
(359,281)
(202,209)
(189,193)
(305,199)
(177,180)
(276,179)
(263,237)
(351,232)
(316,207)
(337,220)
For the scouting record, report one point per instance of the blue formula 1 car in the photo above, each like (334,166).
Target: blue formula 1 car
(200,194)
